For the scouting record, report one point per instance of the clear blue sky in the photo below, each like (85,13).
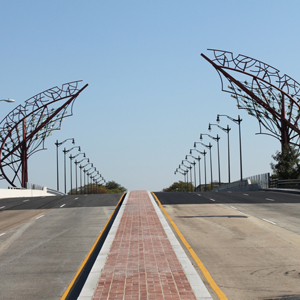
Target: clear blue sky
(150,92)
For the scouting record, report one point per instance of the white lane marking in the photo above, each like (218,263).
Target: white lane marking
(39,217)
(269,199)
(212,199)
(246,194)
(26,200)
(76,198)
(63,205)
(228,191)
(2,234)
(199,195)
(269,221)
(2,207)
(233,207)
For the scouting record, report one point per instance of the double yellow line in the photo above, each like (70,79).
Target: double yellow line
(204,271)
(81,268)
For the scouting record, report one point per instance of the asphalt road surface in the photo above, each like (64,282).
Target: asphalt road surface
(43,241)
(248,241)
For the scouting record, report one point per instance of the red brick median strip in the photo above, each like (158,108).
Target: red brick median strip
(141,263)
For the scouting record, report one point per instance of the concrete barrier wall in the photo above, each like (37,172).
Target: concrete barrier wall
(15,193)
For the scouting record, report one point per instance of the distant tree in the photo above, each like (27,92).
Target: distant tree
(111,187)
(179,186)
(115,187)
(287,164)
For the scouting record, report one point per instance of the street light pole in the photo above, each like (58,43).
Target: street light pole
(188,167)
(236,121)
(211,174)
(65,164)
(81,167)
(204,154)
(198,158)
(227,131)
(217,140)
(57,145)
(192,163)
(187,176)
(76,163)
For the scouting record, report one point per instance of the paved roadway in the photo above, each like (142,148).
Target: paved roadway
(43,241)
(248,241)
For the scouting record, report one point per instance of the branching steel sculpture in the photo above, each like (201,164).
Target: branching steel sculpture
(24,130)
(273,99)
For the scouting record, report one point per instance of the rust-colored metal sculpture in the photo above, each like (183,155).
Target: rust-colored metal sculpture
(24,130)
(273,99)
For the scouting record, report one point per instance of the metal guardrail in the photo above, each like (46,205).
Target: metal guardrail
(232,185)
(286,183)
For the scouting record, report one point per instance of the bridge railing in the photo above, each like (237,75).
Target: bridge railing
(262,179)
(286,183)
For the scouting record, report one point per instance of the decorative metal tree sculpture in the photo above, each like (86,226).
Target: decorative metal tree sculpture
(24,130)
(271,98)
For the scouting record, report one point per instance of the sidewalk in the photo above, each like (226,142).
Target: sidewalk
(140,262)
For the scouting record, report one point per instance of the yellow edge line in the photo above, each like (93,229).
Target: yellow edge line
(68,290)
(204,271)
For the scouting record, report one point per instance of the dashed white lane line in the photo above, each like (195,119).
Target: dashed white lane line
(40,217)
(228,191)
(63,205)
(246,194)
(233,207)
(2,207)
(76,198)
(212,199)
(269,199)
(2,234)
(26,200)
(199,195)
(269,221)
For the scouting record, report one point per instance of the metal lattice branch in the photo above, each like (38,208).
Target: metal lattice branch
(24,129)
(271,98)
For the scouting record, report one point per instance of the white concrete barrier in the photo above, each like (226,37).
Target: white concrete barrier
(15,193)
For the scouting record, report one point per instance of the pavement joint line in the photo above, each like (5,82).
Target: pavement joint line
(204,271)
(91,282)
(269,199)
(269,221)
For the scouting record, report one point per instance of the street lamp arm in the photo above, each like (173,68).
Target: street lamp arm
(58,144)
(224,129)
(66,151)
(237,121)
(198,158)
(8,100)
(207,146)
(212,137)
(77,155)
